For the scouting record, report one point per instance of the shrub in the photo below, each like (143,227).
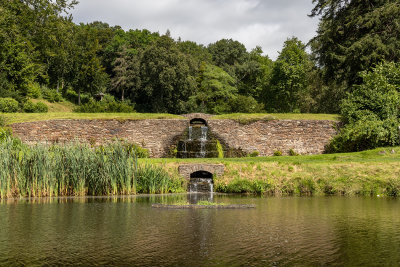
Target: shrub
(41,107)
(30,107)
(104,106)
(33,91)
(293,153)
(254,154)
(245,104)
(277,153)
(51,95)
(371,113)
(8,105)
(72,96)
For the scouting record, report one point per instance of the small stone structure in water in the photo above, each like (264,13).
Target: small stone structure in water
(200,176)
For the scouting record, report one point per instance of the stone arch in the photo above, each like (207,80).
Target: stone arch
(187,169)
(201,174)
(198,121)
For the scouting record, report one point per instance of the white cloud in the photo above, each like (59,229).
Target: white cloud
(267,23)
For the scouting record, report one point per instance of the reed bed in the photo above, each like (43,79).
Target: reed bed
(77,170)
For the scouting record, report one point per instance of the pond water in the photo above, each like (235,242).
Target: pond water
(126,231)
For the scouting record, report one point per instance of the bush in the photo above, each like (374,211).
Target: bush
(254,154)
(33,91)
(30,107)
(371,113)
(277,153)
(41,107)
(8,105)
(72,96)
(245,104)
(293,153)
(107,105)
(51,95)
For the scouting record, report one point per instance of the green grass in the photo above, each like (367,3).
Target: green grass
(248,118)
(30,117)
(363,173)
(63,111)
(63,106)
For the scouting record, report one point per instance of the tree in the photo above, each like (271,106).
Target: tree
(167,78)
(289,81)
(17,66)
(227,53)
(126,73)
(371,113)
(216,91)
(354,36)
(87,74)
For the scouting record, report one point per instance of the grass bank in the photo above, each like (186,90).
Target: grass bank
(248,118)
(29,117)
(63,112)
(374,172)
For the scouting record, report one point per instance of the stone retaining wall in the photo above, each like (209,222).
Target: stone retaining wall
(266,137)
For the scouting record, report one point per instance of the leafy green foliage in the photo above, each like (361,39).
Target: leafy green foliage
(39,107)
(77,170)
(216,91)
(167,78)
(107,105)
(51,95)
(8,105)
(289,78)
(371,112)
(354,36)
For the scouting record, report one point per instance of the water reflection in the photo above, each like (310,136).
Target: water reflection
(127,231)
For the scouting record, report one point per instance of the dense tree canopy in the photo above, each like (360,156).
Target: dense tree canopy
(355,35)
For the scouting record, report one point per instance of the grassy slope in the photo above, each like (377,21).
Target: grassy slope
(63,111)
(366,173)
(242,117)
(28,117)
(64,106)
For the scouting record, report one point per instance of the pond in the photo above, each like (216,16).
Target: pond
(287,231)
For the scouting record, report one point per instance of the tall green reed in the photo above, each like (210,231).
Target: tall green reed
(76,170)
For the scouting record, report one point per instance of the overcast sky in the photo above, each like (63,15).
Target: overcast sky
(267,23)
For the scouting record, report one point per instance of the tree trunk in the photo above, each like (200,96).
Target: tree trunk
(79,97)
(123,97)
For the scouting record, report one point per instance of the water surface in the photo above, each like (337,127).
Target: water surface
(126,231)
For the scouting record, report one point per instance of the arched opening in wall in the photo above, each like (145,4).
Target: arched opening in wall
(198,122)
(201,182)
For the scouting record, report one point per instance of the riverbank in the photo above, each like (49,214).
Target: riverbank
(369,173)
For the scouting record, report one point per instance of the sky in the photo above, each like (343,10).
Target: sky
(265,23)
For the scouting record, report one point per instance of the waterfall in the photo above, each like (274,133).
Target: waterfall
(201,185)
(204,130)
(190,133)
(202,149)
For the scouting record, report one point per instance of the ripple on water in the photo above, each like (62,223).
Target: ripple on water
(127,231)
